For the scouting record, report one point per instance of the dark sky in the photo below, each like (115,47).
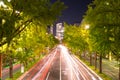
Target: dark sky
(75,11)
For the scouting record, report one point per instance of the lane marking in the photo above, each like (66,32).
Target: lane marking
(38,74)
(60,65)
(87,69)
(75,68)
(71,62)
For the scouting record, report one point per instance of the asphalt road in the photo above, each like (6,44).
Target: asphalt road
(60,65)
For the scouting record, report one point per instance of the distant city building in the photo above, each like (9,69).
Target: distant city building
(59,31)
(50,30)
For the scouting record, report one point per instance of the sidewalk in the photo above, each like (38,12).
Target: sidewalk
(110,68)
(5,72)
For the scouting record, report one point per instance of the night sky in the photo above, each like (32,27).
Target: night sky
(75,11)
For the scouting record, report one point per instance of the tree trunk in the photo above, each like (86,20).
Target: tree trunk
(95,61)
(11,68)
(100,63)
(90,59)
(0,66)
(0,53)
(119,69)
(84,55)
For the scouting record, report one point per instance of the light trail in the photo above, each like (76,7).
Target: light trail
(77,66)
(47,76)
(68,65)
(65,67)
(70,62)
(38,74)
(60,66)
(88,70)
(93,78)
(77,72)
(63,53)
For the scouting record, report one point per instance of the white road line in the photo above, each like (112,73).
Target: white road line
(76,66)
(60,66)
(68,64)
(93,78)
(38,74)
(72,64)
(48,75)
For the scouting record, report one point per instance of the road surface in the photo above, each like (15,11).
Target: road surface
(60,65)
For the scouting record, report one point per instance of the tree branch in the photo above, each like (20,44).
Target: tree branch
(17,31)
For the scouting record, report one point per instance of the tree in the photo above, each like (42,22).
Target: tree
(104,19)
(16,15)
(74,40)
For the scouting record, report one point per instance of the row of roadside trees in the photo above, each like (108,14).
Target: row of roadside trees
(102,37)
(23,29)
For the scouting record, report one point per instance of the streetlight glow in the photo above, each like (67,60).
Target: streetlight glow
(2,4)
(17,12)
(87,27)
(107,3)
(8,0)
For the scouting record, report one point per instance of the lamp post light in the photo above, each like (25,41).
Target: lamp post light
(2,4)
(87,26)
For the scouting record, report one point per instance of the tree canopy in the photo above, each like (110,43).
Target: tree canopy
(15,15)
(103,17)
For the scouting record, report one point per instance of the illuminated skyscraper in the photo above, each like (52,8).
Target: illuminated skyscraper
(59,31)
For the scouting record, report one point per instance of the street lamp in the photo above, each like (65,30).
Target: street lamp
(2,4)
(87,26)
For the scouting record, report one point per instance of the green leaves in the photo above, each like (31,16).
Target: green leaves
(23,23)
(104,19)
(20,13)
(75,38)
